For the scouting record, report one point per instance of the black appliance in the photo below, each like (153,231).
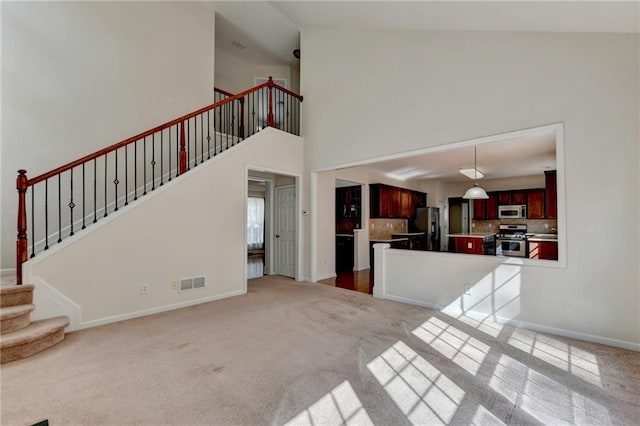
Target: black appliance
(428,221)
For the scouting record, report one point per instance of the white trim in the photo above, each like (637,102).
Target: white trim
(327,276)
(528,325)
(298,208)
(313,240)
(8,271)
(156,310)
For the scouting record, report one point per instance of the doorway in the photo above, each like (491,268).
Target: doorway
(285,230)
(258,218)
(458,216)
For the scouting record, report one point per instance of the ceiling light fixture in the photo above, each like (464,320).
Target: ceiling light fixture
(475,192)
(472,173)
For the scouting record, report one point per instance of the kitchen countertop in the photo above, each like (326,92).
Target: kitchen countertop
(474,235)
(344,235)
(389,240)
(543,237)
(408,234)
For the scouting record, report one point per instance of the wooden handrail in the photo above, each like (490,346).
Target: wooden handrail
(142,135)
(23,183)
(222,91)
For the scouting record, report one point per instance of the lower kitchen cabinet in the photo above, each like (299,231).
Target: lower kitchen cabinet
(543,250)
(473,245)
(344,253)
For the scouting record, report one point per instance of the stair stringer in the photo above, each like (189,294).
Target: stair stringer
(75,278)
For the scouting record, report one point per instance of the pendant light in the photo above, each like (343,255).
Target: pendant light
(475,192)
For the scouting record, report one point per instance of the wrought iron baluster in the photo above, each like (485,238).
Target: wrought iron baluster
(33,227)
(126,175)
(46,214)
(161,157)
(208,135)
(135,170)
(84,197)
(144,165)
(153,162)
(105,185)
(71,204)
(59,207)
(116,181)
(201,138)
(95,190)
(169,133)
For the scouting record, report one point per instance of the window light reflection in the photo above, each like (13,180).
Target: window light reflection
(543,398)
(421,391)
(483,417)
(454,344)
(566,357)
(496,296)
(340,406)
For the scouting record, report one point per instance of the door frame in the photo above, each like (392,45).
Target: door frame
(275,190)
(298,215)
(268,220)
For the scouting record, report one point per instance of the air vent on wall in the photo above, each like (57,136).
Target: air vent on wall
(187,284)
(238,45)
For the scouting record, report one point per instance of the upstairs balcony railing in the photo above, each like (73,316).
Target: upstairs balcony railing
(55,205)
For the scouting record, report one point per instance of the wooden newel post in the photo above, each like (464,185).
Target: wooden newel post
(22,183)
(270,120)
(183,149)
(241,119)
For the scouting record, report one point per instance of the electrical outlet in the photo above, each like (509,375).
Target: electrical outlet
(546,226)
(174,285)
(467,289)
(144,288)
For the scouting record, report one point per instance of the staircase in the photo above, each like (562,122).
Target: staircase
(19,337)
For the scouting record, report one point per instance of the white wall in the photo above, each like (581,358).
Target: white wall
(236,75)
(192,226)
(398,91)
(79,76)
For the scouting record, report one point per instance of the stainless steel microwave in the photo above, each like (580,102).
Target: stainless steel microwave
(514,211)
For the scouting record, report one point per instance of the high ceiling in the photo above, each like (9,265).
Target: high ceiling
(522,156)
(271,28)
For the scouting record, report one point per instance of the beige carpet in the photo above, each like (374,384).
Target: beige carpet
(318,355)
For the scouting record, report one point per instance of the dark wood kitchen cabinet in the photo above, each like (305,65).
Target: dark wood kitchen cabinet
(551,194)
(519,197)
(486,209)
(543,250)
(393,202)
(535,204)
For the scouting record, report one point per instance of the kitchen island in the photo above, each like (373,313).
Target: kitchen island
(474,243)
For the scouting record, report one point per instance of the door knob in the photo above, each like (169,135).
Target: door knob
(277,236)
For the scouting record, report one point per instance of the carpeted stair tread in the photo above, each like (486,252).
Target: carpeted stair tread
(35,331)
(14,318)
(16,295)
(9,312)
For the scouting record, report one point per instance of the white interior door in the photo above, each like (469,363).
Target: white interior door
(285,231)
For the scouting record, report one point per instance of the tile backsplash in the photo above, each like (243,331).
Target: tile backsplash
(381,229)
(534,226)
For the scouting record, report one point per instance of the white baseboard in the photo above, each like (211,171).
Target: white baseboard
(158,309)
(529,325)
(360,268)
(327,276)
(8,271)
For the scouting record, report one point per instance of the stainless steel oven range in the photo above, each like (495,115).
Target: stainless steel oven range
(512,241)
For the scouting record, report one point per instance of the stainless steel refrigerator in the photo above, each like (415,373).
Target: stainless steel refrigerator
(428,220)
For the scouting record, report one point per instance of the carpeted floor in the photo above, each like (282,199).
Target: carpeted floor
(314,354)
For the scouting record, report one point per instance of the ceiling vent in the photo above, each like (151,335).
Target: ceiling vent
(188,284)
(238,45)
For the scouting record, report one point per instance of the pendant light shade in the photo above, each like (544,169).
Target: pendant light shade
(475,192)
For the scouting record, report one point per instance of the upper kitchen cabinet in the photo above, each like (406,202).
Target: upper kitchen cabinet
(393,202)
(487,209)
(551,194)
(348,205)
(519,196)
(535,204)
